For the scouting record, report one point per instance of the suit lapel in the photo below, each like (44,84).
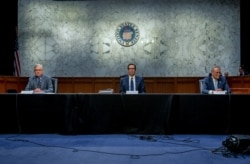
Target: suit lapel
(136,82)
(127,83)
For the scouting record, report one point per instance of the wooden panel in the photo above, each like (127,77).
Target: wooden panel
(65,85)
(11,83)
(164,85)
(2,84)
(240,90)
(153,84)
(116,85)
(149,83)
(103,83)
(246,82)
(187,85)
(22,83)
(235,82)
(83,85)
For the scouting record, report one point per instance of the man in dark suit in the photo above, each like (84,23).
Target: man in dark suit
(39,83)
(242,71)
(215,82)
(132,82)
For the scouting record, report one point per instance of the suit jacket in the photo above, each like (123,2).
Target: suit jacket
(45,83)
(244,73)
(208,84)
(140,85)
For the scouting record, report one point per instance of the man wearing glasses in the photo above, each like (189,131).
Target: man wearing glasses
(39,83)
(215,82)
(132,82)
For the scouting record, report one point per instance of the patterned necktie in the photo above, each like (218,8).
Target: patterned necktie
(132,84)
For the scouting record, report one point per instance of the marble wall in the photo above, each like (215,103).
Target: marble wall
(176,37)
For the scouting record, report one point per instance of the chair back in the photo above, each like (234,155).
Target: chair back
(122,76)
(201,84)
(55,84)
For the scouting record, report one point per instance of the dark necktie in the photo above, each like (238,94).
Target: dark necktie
(38,82)
(132,84)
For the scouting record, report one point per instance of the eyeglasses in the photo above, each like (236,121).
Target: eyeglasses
(38,70)
(131,68)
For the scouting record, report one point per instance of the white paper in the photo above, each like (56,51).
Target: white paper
(219,92)
(131,92)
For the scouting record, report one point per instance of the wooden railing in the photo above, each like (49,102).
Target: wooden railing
(238,84)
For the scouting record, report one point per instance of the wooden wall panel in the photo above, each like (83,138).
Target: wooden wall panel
(116,85)
(187,85)
(22,83)
(103,83)
(153,84)
(163,85)
(239,84)
(240,90)
(83,85)
(2,84)
(65,85)
(12,83)
(149,83)
(235,82)
(246,82)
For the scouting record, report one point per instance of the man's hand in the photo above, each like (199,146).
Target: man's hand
(37,90)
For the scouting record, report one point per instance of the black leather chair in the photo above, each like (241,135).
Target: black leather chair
(201,84)
(55,84)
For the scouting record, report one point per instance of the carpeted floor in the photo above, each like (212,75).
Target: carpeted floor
(116,149)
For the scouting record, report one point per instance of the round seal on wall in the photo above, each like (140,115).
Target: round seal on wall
(127,34)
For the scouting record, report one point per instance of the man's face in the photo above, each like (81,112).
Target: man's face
(38,71)
(216,73)
(131,70)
